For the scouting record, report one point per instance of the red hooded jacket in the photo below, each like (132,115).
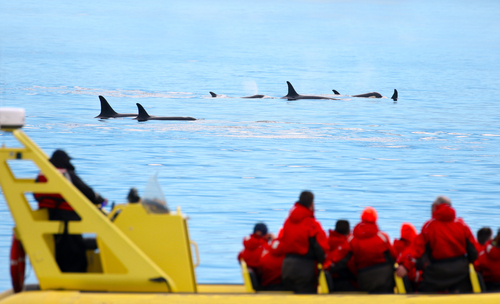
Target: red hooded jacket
(445,234)
(488,263)
(254,245)
(408,234)
(298,228)
(270,267)
(368,245)
(339,248)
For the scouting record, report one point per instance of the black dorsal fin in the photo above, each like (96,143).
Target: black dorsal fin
(395,95)
(143,115)
(336,92)
(106,110)
(291,90)
(213,94)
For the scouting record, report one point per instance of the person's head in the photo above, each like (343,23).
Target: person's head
(260,229)
(342,227)
(369,215)
(439,201)
(60,159)
(484,234)
(408,231)
(306,199)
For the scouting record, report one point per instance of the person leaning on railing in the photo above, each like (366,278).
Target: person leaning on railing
(450,247)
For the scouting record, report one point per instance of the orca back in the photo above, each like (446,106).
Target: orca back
(395,95)
(143,115)
(291,91)
(106,110)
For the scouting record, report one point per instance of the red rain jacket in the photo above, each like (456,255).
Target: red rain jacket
(339,248)
(270,267)
(488,263)
(368,245)
(253,244)
(298,228)
(445,234)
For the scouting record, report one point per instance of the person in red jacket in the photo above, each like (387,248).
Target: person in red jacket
(408,234)
(401,245)
(269,269)
(254,244)
(373,255)
(488,264)
(483,236)
(70,249)
(304,244)
(343,277)
(449,245)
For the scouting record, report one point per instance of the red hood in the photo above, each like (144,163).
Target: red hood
(444,213)
(492,252)
(253,241)
(298,213)
(365,230)
(408,232)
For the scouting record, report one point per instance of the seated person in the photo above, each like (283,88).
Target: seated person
(450,247)
(254,244)
(69,248)
(408,234)
(488,264)
(373,255)
(304,244)
(269,270)
(483,235)
(401,245)
(337,260)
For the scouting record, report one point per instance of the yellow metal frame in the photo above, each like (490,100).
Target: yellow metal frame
(35,231)
(323,284)
(247,282)
(476,287)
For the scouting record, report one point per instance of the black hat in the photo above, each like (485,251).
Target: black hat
(260,227)
(60,159)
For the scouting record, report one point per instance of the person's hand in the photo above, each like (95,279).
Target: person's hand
(401,271)
(104,203)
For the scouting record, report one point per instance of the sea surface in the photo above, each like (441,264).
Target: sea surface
(247,160)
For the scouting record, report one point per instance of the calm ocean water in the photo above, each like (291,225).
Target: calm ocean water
(247,160)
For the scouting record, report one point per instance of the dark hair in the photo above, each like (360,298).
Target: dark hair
(306,198)
(342,227)
(60,159)
(483,235)
(260,227)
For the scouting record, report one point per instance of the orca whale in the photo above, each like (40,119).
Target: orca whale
(108,112)
(372,95)
(143,115)
(293,95)
(253,96)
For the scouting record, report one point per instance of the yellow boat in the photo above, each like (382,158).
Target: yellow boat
(141,257)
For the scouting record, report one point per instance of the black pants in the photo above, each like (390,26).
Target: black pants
(450,275)
(377,279)
(343,280)
(298,274)
(70,248)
